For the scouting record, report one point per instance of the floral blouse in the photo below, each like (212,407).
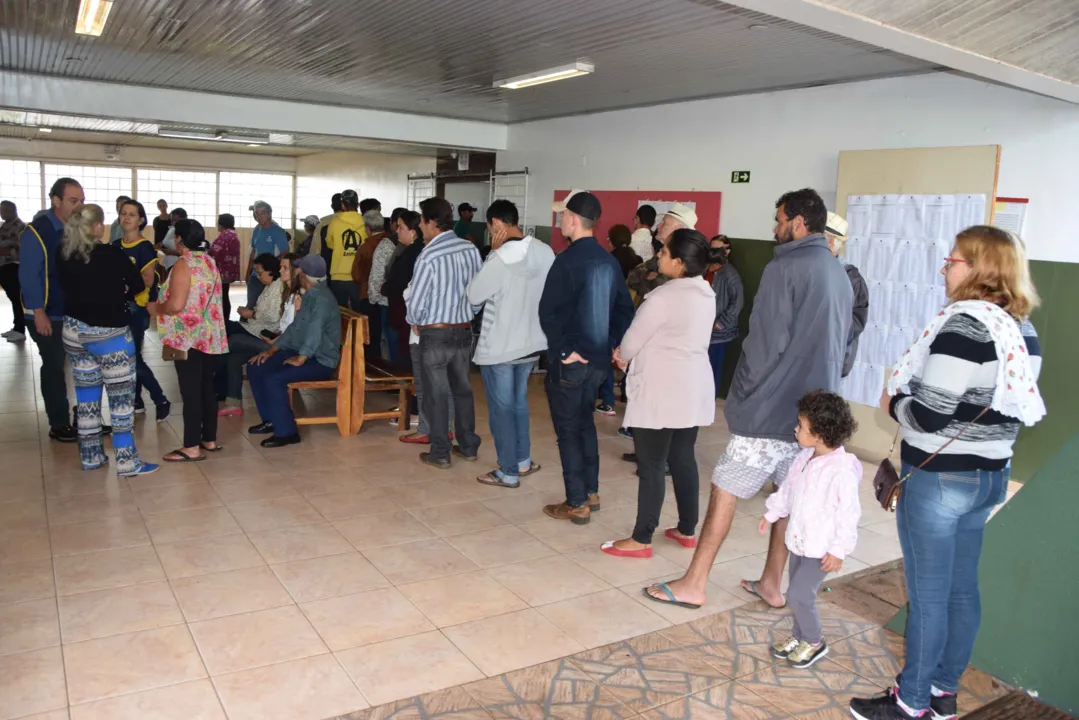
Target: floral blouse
(225,251)
(201,324)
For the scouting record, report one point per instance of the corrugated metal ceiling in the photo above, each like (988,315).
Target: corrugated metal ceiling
(439,58)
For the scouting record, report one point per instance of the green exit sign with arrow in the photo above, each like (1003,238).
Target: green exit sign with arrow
(740,176)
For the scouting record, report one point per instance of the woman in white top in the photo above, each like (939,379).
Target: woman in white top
(291,292)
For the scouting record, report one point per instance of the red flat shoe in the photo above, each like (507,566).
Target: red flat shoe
(686,542)
(610,549)
(415,439)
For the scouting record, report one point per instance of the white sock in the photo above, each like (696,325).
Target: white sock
(937,692)
(907,708)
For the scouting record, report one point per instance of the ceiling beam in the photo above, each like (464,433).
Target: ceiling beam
(41,93)
(820,15)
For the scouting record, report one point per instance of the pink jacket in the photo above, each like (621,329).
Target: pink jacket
(821,497)
(669,382)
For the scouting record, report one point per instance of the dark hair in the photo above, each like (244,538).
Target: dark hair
(694,250)
(58,187)
(7,202)
(829,417)
(397,212)
(369,204)
(647,215)
(270,264)
(180,213)
(619,235)
(411,219)
(293,285)
(192,234)
(162,200)
(503,210)
(227,221)
(349,200)
(335,203)
(439,211)
(141,210)
(807,203)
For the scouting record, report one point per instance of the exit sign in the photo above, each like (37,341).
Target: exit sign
(740,176)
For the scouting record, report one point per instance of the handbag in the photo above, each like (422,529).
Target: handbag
(171,354)
(888,486)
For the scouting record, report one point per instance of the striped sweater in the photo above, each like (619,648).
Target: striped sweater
(956,384)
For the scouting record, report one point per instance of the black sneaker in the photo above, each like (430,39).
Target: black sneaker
(884,707)
(605,409)
(944,707)
(65,434)
(625,432)
(163,411)
(140,409)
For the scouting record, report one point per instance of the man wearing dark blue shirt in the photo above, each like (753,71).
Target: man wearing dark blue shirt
(584,311)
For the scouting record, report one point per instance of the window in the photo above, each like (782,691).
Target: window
(313,196)
(101,185)
(20,182)
(195,192)
(238,191)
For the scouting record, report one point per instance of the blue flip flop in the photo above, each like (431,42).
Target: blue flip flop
(671,599)
(752,590)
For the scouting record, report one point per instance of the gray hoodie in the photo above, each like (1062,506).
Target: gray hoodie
(510,285)
(797,339)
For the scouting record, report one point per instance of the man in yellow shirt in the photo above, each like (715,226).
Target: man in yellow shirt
(344,236)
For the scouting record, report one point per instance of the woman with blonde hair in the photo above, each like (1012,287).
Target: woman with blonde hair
(959,395)
(98,280)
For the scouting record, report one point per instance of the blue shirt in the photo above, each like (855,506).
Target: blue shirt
(269,240)
(316,331)
(39,259)
(440,282)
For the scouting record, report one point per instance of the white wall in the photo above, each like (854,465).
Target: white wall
(792,139)
(370,174)
(91,153)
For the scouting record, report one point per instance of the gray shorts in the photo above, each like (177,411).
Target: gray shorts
(748,464)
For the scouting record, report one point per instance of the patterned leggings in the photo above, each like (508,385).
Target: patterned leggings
(103,357)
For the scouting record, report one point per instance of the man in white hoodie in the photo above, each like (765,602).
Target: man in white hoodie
(509,286)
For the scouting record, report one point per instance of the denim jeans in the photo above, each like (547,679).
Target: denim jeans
(507,408)
(444,368)
(422,427)
(269,384)
(606,390)
(242,347)
(390,333)
(571,394)
(716,353)
(144,375)
(254,289)
(941,519)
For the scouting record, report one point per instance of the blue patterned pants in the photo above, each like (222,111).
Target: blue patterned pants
(103,357)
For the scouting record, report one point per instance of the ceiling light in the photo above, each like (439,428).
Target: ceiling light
(44,130)
(253,145)
(244,139)
(92,17)
(185,134)
(758,27)
(545,76)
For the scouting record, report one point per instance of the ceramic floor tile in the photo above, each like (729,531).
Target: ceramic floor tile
(731,642)
(120,610)
(459,518)
(462,598)
(369,617)
(169,474)
(195,700)
(512,641)
(729,701)
(602,618)
(345,505)
(329,576)
(308,689)
(518,508)
(836,622)
(31,682)
(107,569)
(22,515)
(728,575)
(389,671)
(254,489)
(623,571)
(51,715)
(242,467)
(24,545)
(558,689)
(327,481)
(272,514)
(876,549)
(239,642)
(428,493)
(565,537)
(191,524)
(29,625)
(300,542)
(717,601)
(648,671)
(124,664)
(176,497)
(451,704)
(378,531)
(419,561)
(208,555)
(107,534)
(30,580)
(825,687)
(548,580)
(500,546)
(237,591)
(83,508)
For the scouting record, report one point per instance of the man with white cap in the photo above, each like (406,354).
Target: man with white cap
(309,349)
(646,277)
(309,224)
(835,229)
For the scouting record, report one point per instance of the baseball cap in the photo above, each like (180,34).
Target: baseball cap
(836,225)
(311,220)
(313,266)
(684,214)
(465,207)
(580,202)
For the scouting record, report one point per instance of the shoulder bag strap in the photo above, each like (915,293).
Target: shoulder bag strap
(944,446)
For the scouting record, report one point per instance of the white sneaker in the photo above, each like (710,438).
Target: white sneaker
(15,337)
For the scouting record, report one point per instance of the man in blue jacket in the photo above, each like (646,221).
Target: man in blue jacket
(43,300)
(584,311)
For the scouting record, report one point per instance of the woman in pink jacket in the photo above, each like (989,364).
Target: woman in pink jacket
(670,388)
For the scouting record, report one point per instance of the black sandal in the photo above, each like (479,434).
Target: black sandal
(492,478)
(179,456)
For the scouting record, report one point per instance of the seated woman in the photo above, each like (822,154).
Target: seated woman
(309,349)
(98,280)
(291,294)
(258,326)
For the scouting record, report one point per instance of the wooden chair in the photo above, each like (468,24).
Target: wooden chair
(376,375)
(343,380)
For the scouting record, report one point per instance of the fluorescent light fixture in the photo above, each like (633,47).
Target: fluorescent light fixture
(44,130)
(92,17)
(214,135)
(545,76)
(244,139)
(185,134)
(253,145)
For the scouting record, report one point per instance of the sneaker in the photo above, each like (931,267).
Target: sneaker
(163,411)
(625,432)
(577,515)
(944,707)
(784,649)
(140,409)
(65,434)
(806,655)
(15,337)
(883,707)
(605,409)
(146,469)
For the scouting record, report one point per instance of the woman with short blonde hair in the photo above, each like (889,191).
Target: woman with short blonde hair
(959,395)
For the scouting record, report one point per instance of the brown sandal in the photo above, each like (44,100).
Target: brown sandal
(492,478)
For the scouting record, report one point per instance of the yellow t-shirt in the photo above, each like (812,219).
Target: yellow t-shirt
(344,236)
(143,255)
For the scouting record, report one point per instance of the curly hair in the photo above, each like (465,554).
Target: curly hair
(829,417)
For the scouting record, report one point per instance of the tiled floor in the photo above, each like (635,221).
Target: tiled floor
(338,574)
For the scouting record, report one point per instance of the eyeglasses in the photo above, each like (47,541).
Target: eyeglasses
(949,261)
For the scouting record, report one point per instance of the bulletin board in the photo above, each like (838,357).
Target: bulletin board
(620,206)
(949,171)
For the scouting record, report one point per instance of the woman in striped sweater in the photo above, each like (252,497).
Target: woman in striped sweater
(973,372)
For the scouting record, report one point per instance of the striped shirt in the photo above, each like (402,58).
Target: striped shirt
(440,282)
(957,383)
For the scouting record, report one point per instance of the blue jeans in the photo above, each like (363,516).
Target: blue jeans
(571,394)
(941,519)
(144,376)
(716,353)
(254,289)
(390,333)
(507,405)
(444,369)
(269,384)
(606,390)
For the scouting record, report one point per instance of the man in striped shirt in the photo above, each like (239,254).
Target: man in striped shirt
(439,311)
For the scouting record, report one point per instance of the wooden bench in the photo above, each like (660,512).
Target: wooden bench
(376,375)
(343,381)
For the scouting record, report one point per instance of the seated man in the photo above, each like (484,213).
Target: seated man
(309,349)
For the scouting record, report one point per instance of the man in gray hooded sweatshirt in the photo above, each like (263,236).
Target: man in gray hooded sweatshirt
(797,341)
